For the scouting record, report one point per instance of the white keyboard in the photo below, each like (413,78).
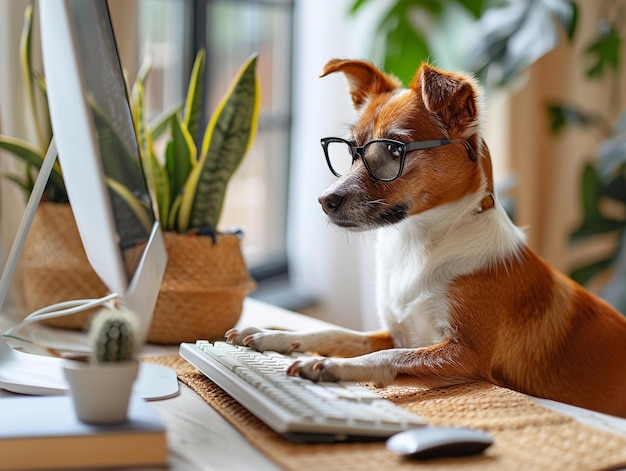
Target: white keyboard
(298,408)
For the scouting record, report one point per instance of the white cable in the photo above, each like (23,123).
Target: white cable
(60,309)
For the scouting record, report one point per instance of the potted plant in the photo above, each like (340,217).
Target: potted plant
(206,278)
(53,266)
(101,385)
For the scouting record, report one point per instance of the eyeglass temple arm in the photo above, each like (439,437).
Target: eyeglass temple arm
(426,144)
(441,142)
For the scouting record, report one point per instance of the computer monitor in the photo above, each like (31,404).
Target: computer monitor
(99,156)
(98,152)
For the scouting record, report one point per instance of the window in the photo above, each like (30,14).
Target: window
(171,32)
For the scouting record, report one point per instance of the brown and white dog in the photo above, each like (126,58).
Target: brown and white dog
(461,296)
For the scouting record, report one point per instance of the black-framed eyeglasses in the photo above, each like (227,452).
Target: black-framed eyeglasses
(383,158)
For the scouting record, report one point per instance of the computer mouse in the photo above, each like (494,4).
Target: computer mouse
(438,442)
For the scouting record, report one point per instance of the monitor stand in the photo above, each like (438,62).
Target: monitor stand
(28,373)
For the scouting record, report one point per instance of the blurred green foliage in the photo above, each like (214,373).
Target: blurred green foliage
(499,39)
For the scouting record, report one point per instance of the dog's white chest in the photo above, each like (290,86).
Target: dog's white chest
(419,259)
(412,303)
(417,324)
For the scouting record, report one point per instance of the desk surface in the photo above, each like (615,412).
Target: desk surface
(199,438)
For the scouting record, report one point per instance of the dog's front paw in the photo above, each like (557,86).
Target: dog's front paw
(314,368)
(359,369)
(238,336)
(263,340)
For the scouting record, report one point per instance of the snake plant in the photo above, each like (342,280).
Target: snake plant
(33,155)
(188,183)
(120,178)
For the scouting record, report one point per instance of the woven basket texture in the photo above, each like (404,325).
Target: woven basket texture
(203,289)
(201,296)
(53,266)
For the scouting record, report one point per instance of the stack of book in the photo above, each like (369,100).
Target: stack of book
(43,433)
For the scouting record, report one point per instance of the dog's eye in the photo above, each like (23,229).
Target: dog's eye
(394,149)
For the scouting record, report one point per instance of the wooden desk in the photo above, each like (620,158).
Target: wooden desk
(200,439)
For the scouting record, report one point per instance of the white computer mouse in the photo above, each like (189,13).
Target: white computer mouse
(437,442)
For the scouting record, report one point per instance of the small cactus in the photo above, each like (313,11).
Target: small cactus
(113,335)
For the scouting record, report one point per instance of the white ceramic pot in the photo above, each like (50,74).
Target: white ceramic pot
(101,391)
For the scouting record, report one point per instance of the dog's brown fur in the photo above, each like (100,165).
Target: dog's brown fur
(490,310)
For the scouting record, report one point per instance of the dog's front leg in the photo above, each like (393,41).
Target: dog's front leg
(439,365)
(331,342)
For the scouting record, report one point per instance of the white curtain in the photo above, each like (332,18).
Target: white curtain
(335,266)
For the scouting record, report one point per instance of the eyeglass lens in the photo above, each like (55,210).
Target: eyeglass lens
(382,158)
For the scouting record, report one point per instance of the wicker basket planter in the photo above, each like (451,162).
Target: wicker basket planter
(203,289)
(53,266)
(201,296)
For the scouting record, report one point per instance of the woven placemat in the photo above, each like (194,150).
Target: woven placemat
(527,435)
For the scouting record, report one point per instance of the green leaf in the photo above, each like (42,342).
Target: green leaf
(180,156)
(161,122)
(561,116)
(40,81)
(144,70)
(27,71)
(594,222)
(138,209)
(29,178)
(356,6)
(139,85)
(604,52)
(228,137)
(125,167)
(193,104)
(402,39)
(596,225)
(402,42)
(31,156)
(155,173)
(590,192)
(172,222)
(160,186)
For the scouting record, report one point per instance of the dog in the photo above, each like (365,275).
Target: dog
(461,296)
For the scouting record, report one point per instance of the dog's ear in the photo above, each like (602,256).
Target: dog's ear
(364,79)
(454,97)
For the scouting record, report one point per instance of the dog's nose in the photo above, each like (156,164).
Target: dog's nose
(330,202)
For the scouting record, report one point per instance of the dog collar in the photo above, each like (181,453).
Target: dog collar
(487,203)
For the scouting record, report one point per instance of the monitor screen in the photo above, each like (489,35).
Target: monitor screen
(98,152)
(106,96)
